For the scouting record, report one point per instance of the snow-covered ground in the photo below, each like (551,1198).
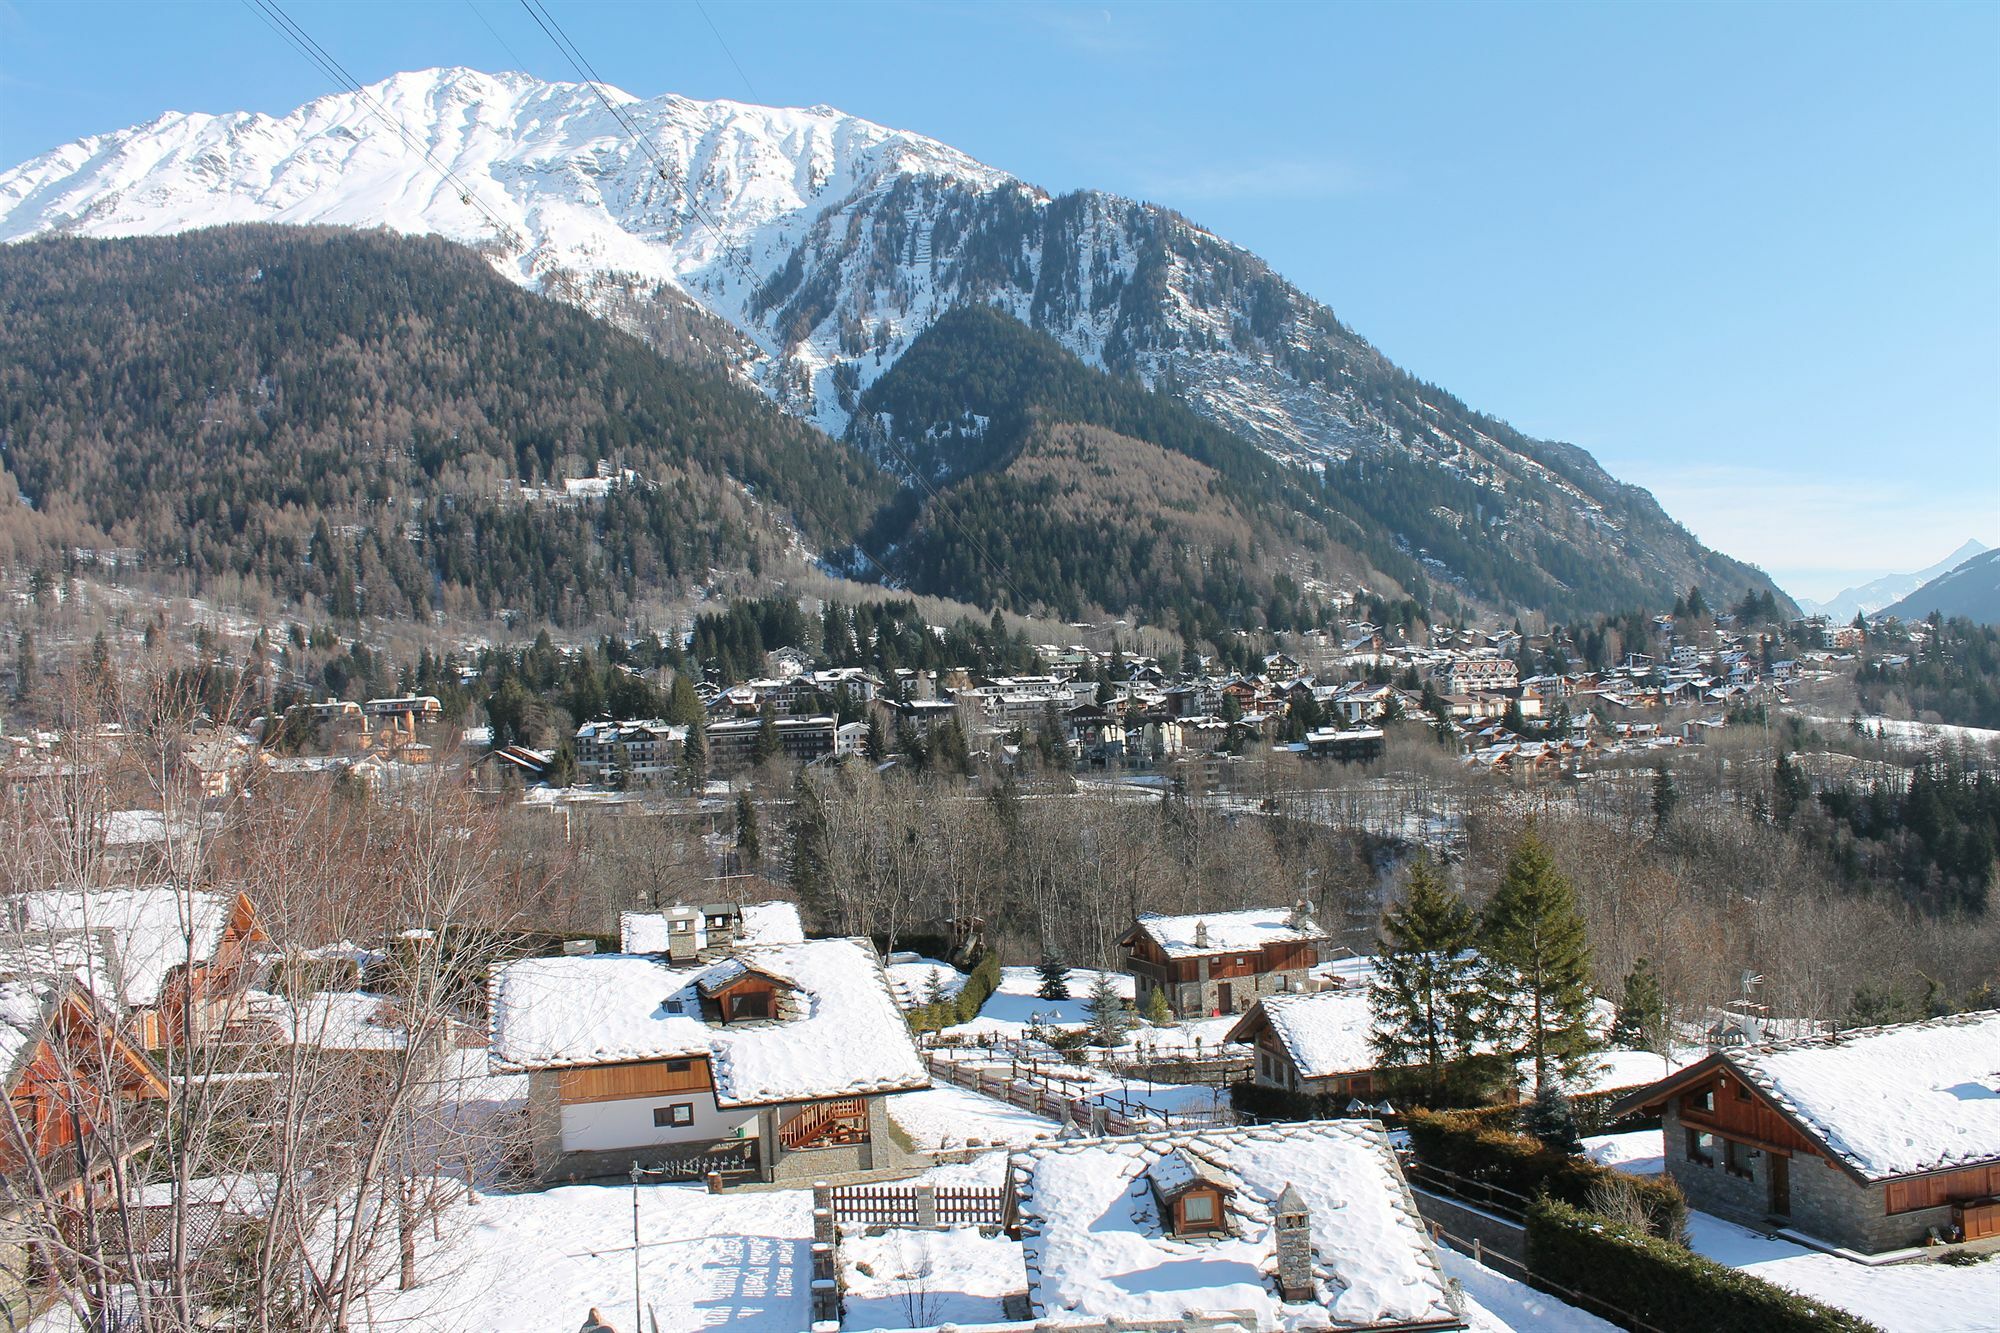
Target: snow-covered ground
(1496,1303)
(1926,735)
(540,1261)
(1639,1153)
(917,1279)
(948,1116)
(1899,1298)
(1015,1007)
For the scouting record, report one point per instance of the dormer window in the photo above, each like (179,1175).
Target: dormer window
(1193,1193)
(1199,1210)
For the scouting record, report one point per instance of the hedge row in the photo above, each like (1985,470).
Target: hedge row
(964,1006)
(1461,1143)
(1662,1284)
(1591,1109)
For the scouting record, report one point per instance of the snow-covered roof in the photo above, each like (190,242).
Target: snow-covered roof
(763,923)
(153,929)
(849,1037)
(24,1009)
(334,1020)
(1325,1032)
(1226,932)
(1095,1246)
(1890,1101)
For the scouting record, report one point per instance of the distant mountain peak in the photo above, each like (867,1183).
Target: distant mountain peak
(830,244)
(1868,598)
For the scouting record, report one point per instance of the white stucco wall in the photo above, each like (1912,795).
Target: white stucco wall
(593,1126)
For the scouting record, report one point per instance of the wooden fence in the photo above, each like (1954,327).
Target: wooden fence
(1075,1099)
(919,1205)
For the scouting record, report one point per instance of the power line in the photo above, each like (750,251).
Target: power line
(519,63)
(538,10)
(702,9)
(587,73)
(300,40)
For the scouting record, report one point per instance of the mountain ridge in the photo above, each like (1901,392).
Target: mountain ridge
(809,250)
(1970,588)
(1870,597)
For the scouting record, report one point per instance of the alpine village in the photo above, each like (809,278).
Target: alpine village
(629,713)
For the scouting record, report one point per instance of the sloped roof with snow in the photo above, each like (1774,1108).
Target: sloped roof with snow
(1890,1101)
(1325,1032)
(1227,932)
(1096,1247)
(152,929)
(593,1009)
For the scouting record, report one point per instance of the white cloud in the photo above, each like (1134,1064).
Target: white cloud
(1816,536)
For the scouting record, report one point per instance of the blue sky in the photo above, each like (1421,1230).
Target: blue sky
(1749,255)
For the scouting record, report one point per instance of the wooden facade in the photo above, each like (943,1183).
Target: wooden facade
(753,995)
(640,1078)
(201,1001)
(1730,1109)
(80,1074)
(1971,1185)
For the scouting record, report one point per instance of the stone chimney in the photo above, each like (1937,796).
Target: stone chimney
(1201,934)
(1291,1227)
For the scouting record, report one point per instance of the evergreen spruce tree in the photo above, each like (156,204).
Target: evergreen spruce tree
(1552,1119)
(748,845)
(694,760)
(1790,789)
(765,748)
(562,767)
(1426,997)
(25,669)
(878,740)
(1157,1009)
(683,704)
(1641,1024)
(1055,979)
(1110,1016)
(1665,796)
(1538,962)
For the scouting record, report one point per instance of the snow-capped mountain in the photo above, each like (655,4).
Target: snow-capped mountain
(829,244)
(1870,597)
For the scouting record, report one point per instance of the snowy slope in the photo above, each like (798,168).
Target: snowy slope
(555,191)
(828,244)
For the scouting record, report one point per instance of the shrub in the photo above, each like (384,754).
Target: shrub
(964,1006)
(1465,1145)
(1658,1283)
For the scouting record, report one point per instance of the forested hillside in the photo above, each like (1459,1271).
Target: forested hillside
(382,423)
(974,405)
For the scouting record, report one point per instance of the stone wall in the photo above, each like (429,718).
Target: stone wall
(1197,999)
(1826,1201)
(1710,1188)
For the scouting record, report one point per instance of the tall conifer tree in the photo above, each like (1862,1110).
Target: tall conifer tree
(1426,997)
(1539,961)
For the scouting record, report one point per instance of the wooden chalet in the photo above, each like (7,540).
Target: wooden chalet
(1221,962)
(770,1060)
(1873,1140)
(177,960)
